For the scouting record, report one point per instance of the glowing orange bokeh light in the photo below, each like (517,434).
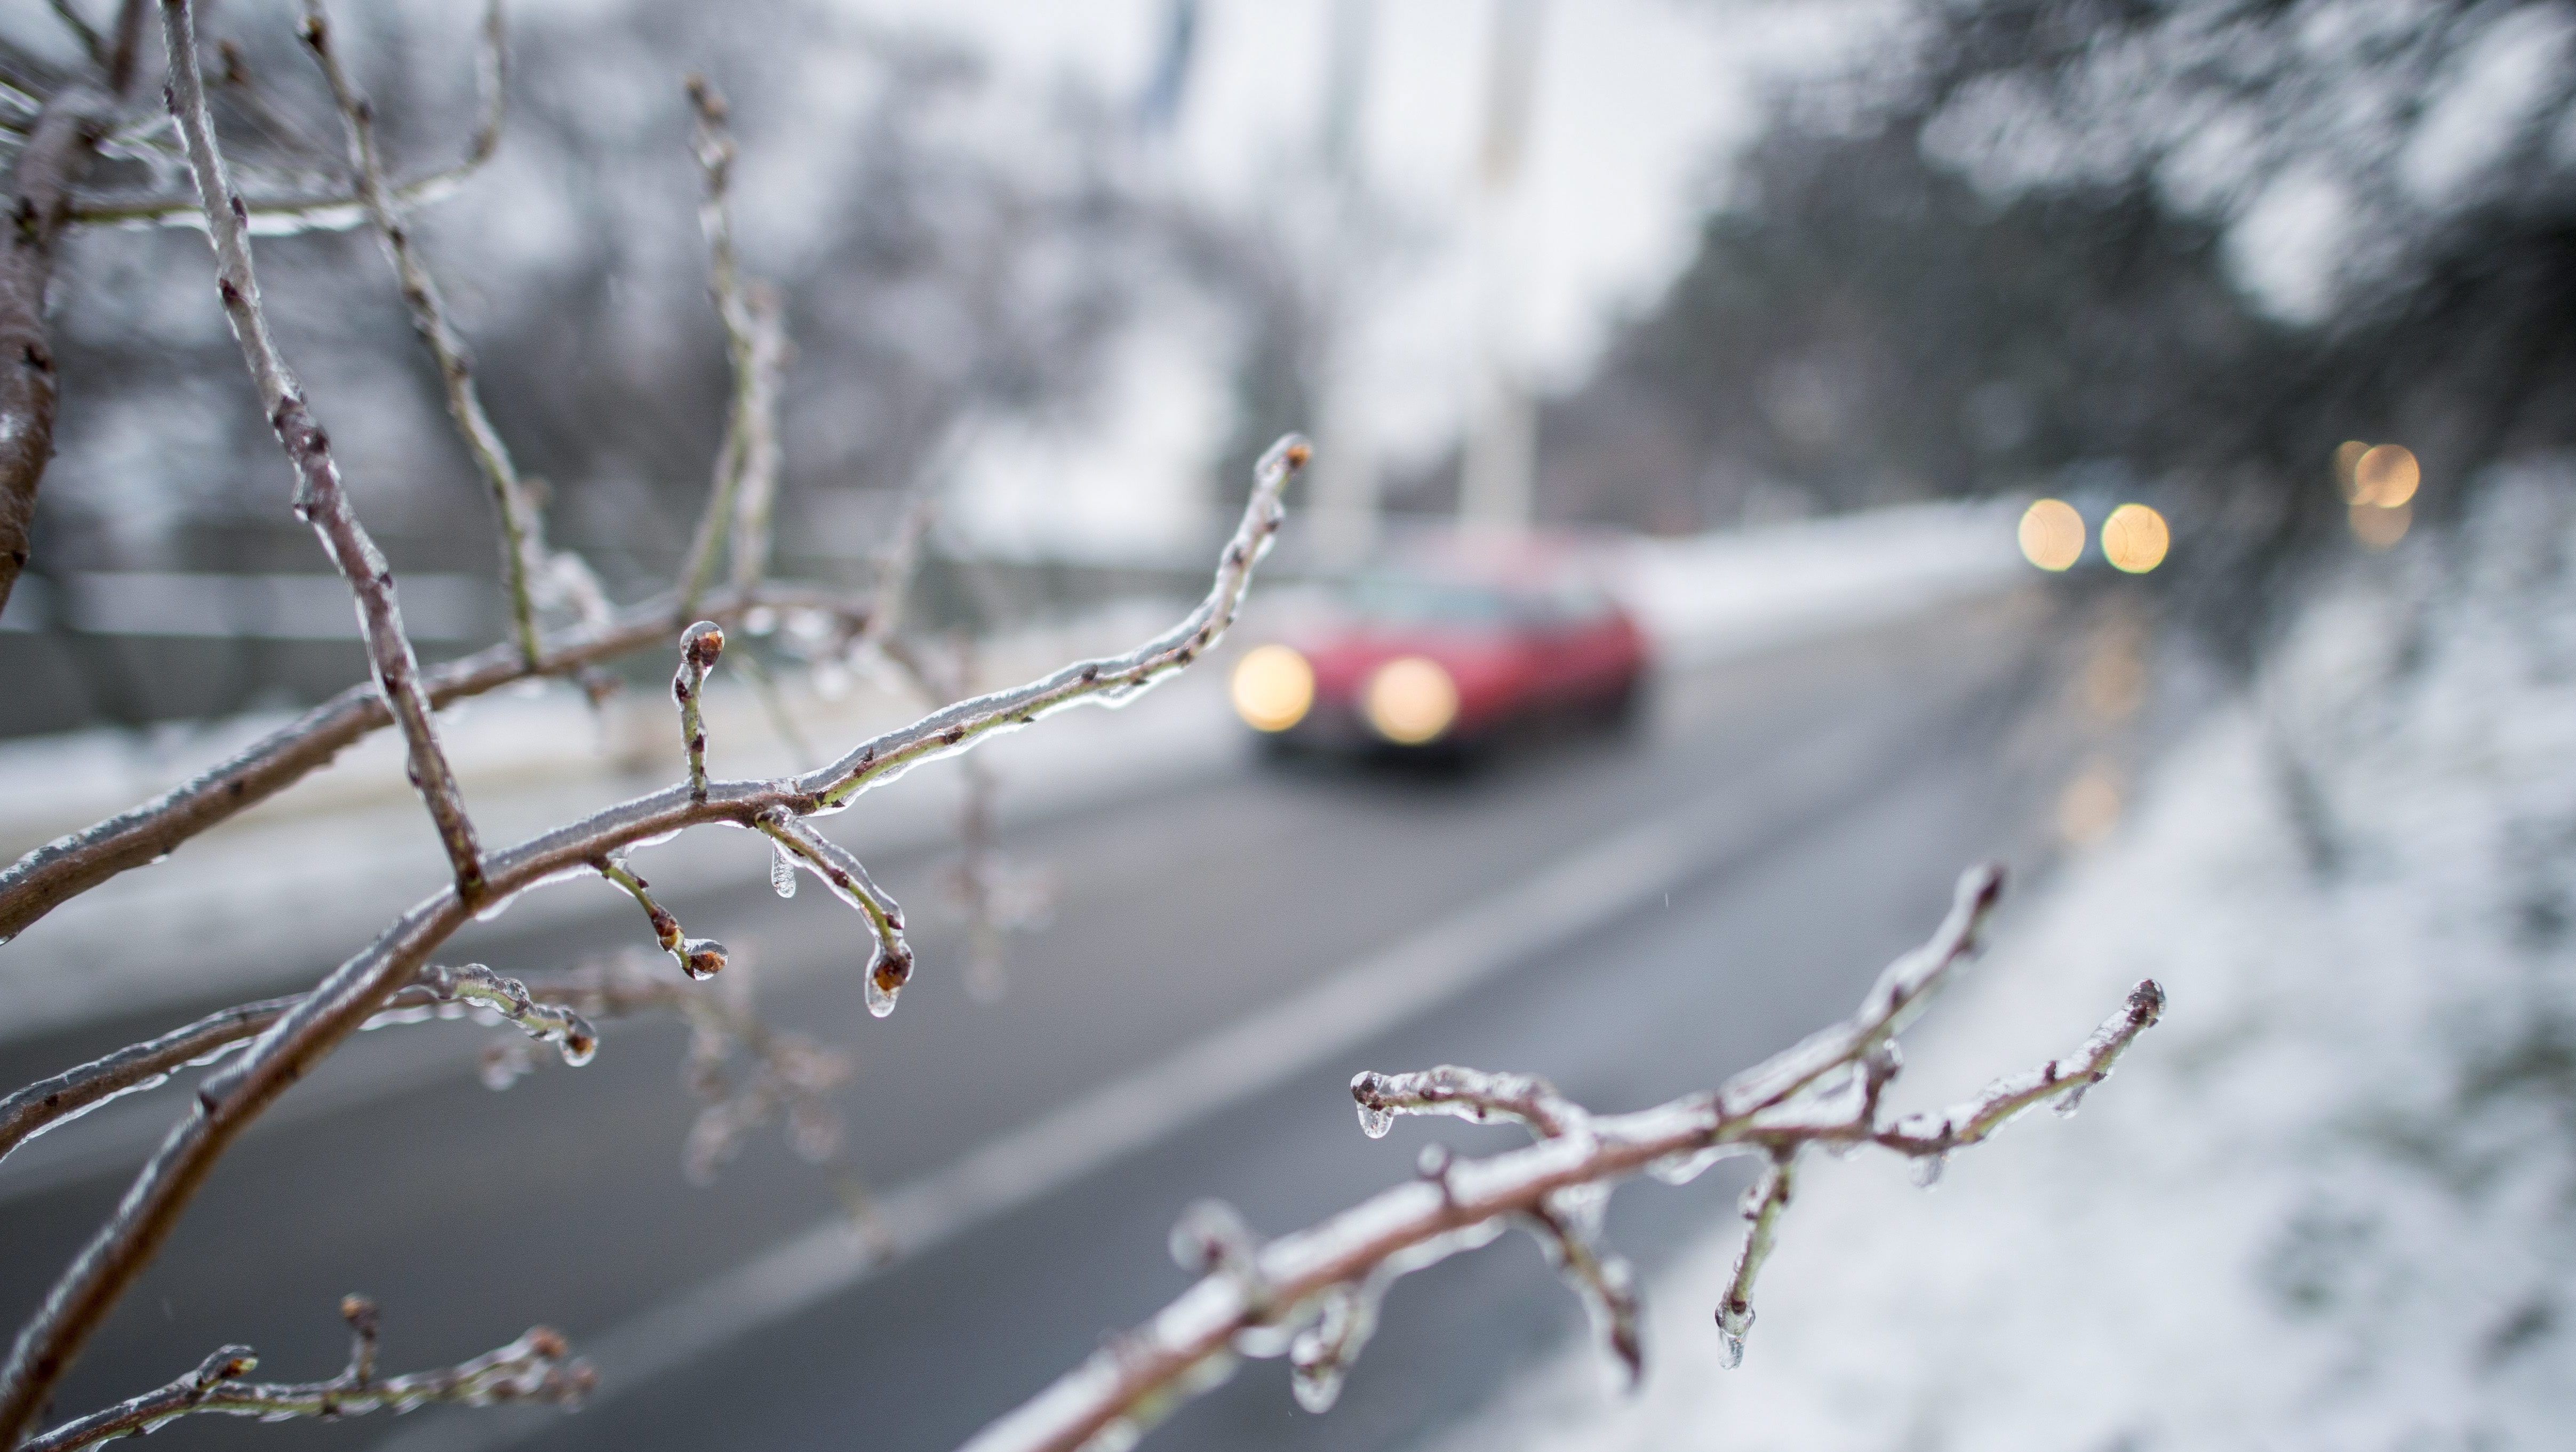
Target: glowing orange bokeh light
(2052,534)
(2387,476)
(2135,539)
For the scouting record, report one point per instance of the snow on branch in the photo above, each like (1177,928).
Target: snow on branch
(339,210)
(320,499)
(522,548)
(1314,1294)
(535,1368)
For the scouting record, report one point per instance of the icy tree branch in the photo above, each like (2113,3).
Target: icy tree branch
(1476,1095)
(520,532)
(535,1368)
(337,210)
(60,148)
(1314,1293)
(755,344)
(77,1090)
(60,870)
(758,462)
(319,497)
(2062,1082)
(352,994)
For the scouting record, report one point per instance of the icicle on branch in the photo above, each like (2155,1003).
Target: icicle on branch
(1315,1293)
(537,1367)
(520,532)
(320,499)
(338,210)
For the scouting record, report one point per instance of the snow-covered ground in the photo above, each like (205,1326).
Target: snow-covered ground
(2331,1201)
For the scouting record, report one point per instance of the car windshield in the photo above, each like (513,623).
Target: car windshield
(1412,600)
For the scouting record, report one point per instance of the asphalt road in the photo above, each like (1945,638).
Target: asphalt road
(1633,917)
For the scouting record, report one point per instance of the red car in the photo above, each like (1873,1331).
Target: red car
(1445,660)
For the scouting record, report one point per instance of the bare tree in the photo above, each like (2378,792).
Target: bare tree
(1312,1296)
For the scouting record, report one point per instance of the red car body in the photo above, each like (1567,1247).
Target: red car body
(1538,646)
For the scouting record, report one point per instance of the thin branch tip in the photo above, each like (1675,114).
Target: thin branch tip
(1314,1293)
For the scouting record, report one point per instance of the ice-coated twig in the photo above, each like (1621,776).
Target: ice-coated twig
(77,1090)
(1605,1283)
(993,896)
(319,498)
(475,986)
(234,1097)
(700,647)
(1316,1291)
(749,425)
(1116,679)
(537,1367)
(70,865)
(1764,1204)
(1891,1004)
(700,958)
(756,492)
(1476,1095)
(890,960)
(63,142)
(2059,1081)
(337,210)
(520,550)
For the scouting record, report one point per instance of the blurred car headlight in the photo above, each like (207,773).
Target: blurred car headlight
(1411,700)
(1274,688)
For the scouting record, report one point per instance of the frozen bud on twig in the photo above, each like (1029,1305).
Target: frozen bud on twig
(475,986)
(700,958)
(1764,1204)
(360,1313)
(890,961)
(699,648)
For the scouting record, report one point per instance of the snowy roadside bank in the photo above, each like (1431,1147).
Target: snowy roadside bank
(2331,1202)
